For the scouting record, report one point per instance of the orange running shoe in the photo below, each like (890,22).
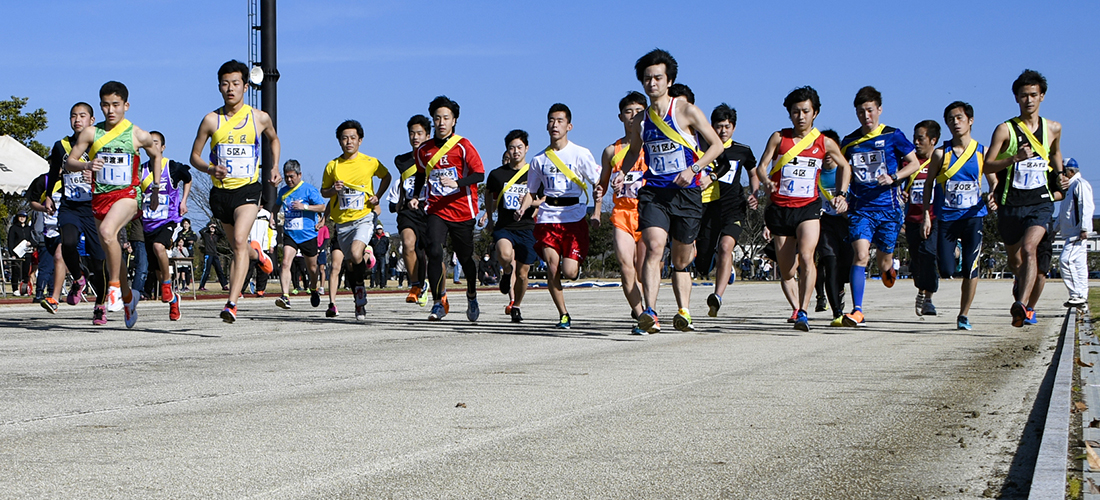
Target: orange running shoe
(414,295)
(854,319)
(889,277)
(265,262)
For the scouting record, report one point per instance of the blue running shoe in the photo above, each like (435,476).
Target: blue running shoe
(802,322)
(438,312)
(1030,318)
(564,323)
(961,323)
(648,321)
(472,310)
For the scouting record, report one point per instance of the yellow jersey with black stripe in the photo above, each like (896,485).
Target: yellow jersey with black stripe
(235,145)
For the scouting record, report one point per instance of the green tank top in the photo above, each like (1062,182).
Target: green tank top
(120,158)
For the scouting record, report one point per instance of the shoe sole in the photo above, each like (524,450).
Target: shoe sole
(228,317)
(802,326)
(1019,315)
(714,305)
(50,309)
(283,305)
(646,322)
(682,324)
(850,323)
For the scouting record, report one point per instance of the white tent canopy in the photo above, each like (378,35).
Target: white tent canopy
(18,165)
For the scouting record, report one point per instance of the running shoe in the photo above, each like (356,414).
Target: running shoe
(446,305)
(794,316)
(516,316)
(1076,302)
(174,308)
(99,315)
(360,296)
(508,308)
(438,312)
(505,283)
(564,323)
(229,314)
(961,323)
(889,277)
(822,305)
(360,313)
(637,330)
(1019,314)
(837,322)
(714,302)
(114,299)
(331,312)
(76,292)
(648,321)
(131,309)
(166,294)
(423,299)
(803,321)
(929,308)
(314,298)
(264,260)
(1031,318)
(202,288)
(919,304)
(283,302)
(854,319)
(260,294)
(414,295)
(473,312)
(49,305)
(682,321)
(295,291)
(225,288)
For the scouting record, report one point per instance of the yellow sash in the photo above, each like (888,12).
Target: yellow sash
(508,185)
(148,180)
(226,128)
(950,169)
(870,135)
(1036,145)
(617,159)
(569,174)
(65,144)
(671,133)
(292,190)
(110,135)
(49,193)
(447,146)
(799,147)
(409,172)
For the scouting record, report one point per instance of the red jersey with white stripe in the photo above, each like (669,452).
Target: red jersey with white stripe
(915,212)
(450,204)
(796,182)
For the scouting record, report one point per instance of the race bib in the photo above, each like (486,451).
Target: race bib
(409,185)
(799,180)
(294,221)
(729,177)
(238,159)
(117,169)
(1030,174)
(50,221)
(160,213)
(351,199)
(916,194)
(436,180)
(868,166)
(631,184)
(514,196)
(665,157)
(75,187)
(962,194)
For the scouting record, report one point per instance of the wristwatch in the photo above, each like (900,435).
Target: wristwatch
(696,168)
(713,177)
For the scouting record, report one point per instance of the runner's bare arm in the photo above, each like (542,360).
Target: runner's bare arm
(524,204)
(764,165)
(997,145)
(206,130)
(911,167)
(184,198)
(83,142)
(383,185)
(934,165)
(990,202)
(1055,145)
(268,130)
(697,121)
(606,167)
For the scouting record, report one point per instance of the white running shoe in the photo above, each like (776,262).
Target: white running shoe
(114,299)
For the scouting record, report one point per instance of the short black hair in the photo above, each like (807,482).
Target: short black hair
(653,58)
(930,127)
(723,112)
(966,107)
(233,66)
(160,135)
(91,112)
(681,90)
(1029,77)
(515,134)
(868,94)
(800,94)
(830,133)
(560,108)
(116,88)
(632,97)
(421,120)
(350,124)
(443,102)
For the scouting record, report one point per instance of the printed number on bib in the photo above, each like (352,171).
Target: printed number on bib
(75,187)
(351,199)
(631,184)
(514,195)
(868,166)
(1030,174)
(799,181)
(728,178)
(409,185)
(436,180)
(50,221)
(160,213)
(117,169)
(665,157)
(962,194)
(294,220)
(916,195)
(238,159)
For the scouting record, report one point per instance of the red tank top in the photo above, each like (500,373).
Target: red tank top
(796,182)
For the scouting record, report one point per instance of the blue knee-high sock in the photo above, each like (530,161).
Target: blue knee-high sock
(858,280)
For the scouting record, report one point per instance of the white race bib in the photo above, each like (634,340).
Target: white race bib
(50,221)
(409,185)
(294,221)
(513,196)
(75,187)
(631,184)
(351,199)
(729,177)
(799,180)
(665,157)
(962,194)
(238,159)
(868,166)
(436,180)
(1030,174)
(916,194)
(117,169)
(161,213)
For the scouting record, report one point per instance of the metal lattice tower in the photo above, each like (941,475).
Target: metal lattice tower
(253,48)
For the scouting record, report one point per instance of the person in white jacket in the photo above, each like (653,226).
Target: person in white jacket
(1075,224)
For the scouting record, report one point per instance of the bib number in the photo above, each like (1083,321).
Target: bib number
(50,221)
(514,196)
(161,213)
(798,181)
(75,187)
(665,157)
(868,166)
(631,184)
(351,199)
(729,177)
(117,169)
(238,159)
(294,221)
(436,180)
(409,185)
(1030,174)
(916,195)
(961,194)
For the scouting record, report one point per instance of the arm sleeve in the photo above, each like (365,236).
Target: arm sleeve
(180,172)
(1087,205)
(470,179)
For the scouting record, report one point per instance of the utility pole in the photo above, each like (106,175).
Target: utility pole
(268,93)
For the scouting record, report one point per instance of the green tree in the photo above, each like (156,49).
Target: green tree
(23,128)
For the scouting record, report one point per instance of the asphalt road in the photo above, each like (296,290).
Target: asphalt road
(289,404)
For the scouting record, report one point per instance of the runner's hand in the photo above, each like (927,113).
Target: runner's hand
(154,201)
(218,171)
(339,187)
(373,200)
(991,203)
(926,226)
(87,176)
(885,180)
(617,182)
(298,205)
(705,181)
(683,179)
(594,221)
(767,234)
(753,202)
(840,204)
(413,204)
(768,186)
(275,177)
(49,205)
(96,165)
(449,182)
(904,196)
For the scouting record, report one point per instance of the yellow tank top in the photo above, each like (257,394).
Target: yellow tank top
(235,145)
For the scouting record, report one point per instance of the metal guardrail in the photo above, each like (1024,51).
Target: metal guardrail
(1051,465)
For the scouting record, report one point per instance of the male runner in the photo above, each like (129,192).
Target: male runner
(75,217)
(922,249)
(834,253)
(724,205)
(159,224)
(234,131)
(793,217)
(876,153)
(624,187)
(514,239)
(1027,155)
(349,182)
(452,168)
(956,168)
(300,202)
(411,223)
(37,194)
(113,147)
(562,173)
(670,203)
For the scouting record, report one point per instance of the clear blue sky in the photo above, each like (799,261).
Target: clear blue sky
(382,62)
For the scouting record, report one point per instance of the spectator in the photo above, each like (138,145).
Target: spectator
(210,256)
(21,245)
(1075,224)
(487,271)
(380,245)
(185,233)
(183,274)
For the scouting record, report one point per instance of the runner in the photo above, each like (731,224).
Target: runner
(234,131)
(159,224)
(1024,176)
(36,196)
(113,147)
(670,203)
(411,223)
(724,205)
(834,254)
(793,217)
(514,239)
(562,173)
(348,182)
(922,249)
(452,169)
(956,169)
(301,202)
(75,218)
(875,153)
(624,185)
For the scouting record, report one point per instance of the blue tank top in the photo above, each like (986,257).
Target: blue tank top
(960,196)
(664,157)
